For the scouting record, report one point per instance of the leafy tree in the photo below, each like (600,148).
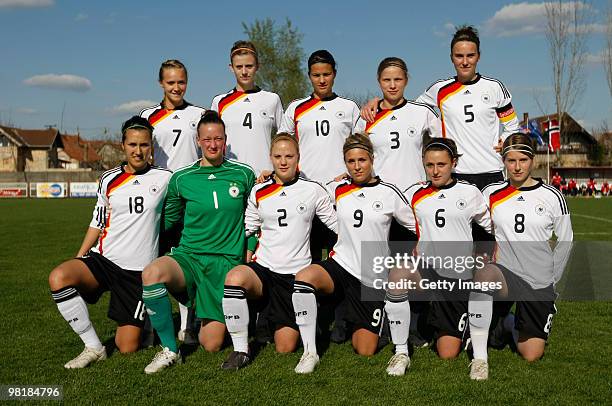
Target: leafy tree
(281,58)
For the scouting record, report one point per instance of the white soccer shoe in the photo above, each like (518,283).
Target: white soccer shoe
(162,360)
(85,358)
(398,364)
(307,363)
(479,370)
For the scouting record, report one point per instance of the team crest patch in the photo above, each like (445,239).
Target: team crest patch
(193,124)
(412,131)
(340,114)
(263,113)
(540,210)
(486,98)
(301,208)
(154,189)
(233,191)
(461,204)
(377,206)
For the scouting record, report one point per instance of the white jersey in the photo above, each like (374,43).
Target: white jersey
(283,216)
(524,220)
(471,115)
(364,214)
(321,126)
(397,135)
(446,214)
(128,213)
(250,119)
(175,134)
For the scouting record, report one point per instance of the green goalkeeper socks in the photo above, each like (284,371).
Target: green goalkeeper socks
(159,309)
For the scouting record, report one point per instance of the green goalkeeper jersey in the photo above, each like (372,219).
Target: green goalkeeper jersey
(210,202)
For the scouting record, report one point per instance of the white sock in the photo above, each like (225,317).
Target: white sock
(397,308)
(72,306)
(236,311)
(305,308)
(480,310)
(184,312)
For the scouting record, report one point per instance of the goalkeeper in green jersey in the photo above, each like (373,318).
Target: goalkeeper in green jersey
(209,198)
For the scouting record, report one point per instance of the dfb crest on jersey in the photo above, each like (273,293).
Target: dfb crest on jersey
(461,204)
(193,124)
(340,114)
(263,113)
(153,189)
(233,190)
(540,210)
(486,98)
(377,205)
(301,208)
(412,132)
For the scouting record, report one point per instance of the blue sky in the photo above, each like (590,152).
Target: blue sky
(112,51)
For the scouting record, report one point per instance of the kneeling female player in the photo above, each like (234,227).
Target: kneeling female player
(282,209)
(523,209)
(112,258)
(365,206)
(444,209)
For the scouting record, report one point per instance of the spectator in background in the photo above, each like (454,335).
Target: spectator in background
(564,186)
(573,190)
(591,187)
(556,181)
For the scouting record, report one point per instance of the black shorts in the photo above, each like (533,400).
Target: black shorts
(480,179)
(126,306)
(276,302)
(321,238)
(359,313)
(448,314)
(532,318)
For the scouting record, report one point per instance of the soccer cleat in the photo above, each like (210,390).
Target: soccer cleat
(479,370)
(163,359)
(398,364)
(307,363)
(236,360)
(85,358)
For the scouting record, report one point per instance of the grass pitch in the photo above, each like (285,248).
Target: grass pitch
(35,341)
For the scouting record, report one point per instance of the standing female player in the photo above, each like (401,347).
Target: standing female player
(250,114)
(399,127)
(209,199)
(322,122)
(111,259)
(525,213)
(444,209)
(281,209)
(174,137)
(365,207)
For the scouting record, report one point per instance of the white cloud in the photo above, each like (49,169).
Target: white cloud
(65,82)
(595,59)
(25,3)
(81,17)
(445,31)
(25,110)
(527,19)
(131,107)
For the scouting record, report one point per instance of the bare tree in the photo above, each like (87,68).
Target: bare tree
(607,52)
(566,33)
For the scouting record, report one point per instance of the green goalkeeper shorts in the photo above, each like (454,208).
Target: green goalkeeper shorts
(204,280)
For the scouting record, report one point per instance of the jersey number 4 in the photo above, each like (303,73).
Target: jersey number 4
(248,121)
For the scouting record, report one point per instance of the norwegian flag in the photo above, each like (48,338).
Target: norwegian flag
(554,134)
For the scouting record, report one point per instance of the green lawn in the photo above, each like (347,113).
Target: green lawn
(36,342)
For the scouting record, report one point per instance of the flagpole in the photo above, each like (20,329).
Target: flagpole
(548,155)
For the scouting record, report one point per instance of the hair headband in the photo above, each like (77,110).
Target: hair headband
(521,148)
(442,145)
(357,145)
(235,51)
